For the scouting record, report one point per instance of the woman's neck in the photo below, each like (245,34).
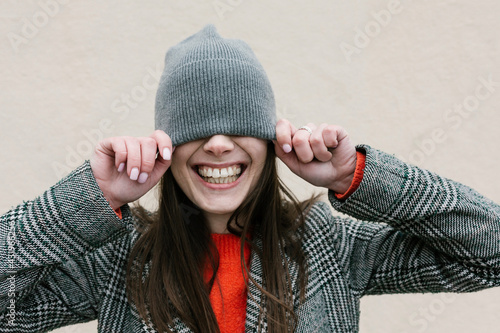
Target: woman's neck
(217,222)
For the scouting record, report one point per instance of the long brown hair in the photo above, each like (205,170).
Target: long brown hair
(165,268)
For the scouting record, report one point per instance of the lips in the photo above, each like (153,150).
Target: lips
(220,175)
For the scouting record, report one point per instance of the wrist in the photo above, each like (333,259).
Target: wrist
(356,178)
(114,204)
(343,182)
(342,185)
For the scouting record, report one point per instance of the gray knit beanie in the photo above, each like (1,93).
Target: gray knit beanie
(211,85)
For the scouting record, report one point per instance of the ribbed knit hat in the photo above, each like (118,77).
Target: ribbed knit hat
(211,85)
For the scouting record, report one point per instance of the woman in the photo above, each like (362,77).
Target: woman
(229,248)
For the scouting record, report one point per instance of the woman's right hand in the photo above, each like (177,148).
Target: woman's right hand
(127,167)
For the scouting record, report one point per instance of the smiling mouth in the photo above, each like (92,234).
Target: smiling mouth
(225,175)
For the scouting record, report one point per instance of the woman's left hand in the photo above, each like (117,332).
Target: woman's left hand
(325,158)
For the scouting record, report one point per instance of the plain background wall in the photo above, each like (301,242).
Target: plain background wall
(408,77)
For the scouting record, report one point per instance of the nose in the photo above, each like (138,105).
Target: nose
(218,145)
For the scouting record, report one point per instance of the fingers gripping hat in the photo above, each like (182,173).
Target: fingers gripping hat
(211,85)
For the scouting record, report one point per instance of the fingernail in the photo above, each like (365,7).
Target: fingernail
(134,174)
(287,148)
(121,167)
(166,154)
(143,177)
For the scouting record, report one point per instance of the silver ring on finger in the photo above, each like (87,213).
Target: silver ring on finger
(306,128)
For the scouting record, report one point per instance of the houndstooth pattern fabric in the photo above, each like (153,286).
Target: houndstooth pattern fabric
(63,255)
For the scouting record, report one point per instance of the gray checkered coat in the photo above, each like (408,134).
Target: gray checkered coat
(63,255)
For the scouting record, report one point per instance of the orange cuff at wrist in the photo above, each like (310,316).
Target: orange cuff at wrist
(358,176)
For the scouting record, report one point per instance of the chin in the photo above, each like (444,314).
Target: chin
(222,211)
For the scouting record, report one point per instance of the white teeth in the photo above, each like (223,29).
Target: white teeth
(221,180)
(223,172)
(220,176)
(216,173)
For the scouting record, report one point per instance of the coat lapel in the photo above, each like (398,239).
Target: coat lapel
(254,295)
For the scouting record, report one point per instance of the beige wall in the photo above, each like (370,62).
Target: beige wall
(67,69)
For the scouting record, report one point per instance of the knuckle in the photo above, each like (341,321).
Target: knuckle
(134,159)
(306,159)
(281,121)
(158,132)
(161,136)
(130,140)
(147,165)
(121,154)
(331,129)
(302,146)
(299,141)
(149,142)
(316,141)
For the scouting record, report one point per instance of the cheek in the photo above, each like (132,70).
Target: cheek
(180,159)
(175,170)
(257,170)
(181,175)
(183,182)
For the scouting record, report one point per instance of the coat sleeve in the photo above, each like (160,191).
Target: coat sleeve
(54,251)
(431,234)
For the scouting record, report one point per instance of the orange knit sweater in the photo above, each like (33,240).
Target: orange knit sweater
(229,292)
